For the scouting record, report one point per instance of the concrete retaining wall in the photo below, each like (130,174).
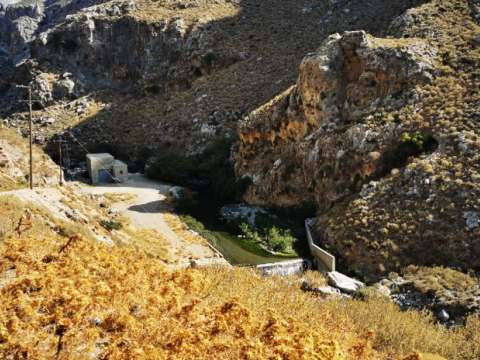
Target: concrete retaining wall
(325,261)
(286,268)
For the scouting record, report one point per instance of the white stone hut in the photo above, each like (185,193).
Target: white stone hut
(103,168)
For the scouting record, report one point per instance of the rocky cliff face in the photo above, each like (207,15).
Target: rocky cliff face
(382,136)
(22,21)
(312,142)
(104,47)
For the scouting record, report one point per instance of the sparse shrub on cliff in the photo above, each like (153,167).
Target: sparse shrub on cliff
(111,225)
(409,145)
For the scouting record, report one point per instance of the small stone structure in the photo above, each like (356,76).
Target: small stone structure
(104,168)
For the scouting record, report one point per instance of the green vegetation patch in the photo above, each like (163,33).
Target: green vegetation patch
(274,238)
(198,227)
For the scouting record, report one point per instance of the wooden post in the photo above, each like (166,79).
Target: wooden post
(61,180)
(30,127)
(60,152)
(30,119)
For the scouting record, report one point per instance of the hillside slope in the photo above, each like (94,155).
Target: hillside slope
(74,299)
(58,212)
(382,135)
(15,163)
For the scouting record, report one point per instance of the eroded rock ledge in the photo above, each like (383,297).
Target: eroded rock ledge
(311,143)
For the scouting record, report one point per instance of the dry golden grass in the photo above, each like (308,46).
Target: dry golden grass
(453,287)
(438,278)
(13,209)
(120,197)
(182,230)
(150,241)
(72,299)
(154,11)
(396,332)
(315,278)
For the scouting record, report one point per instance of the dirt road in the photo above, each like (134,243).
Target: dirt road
(148,212)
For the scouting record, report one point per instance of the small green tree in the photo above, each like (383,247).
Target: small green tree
(250,233)
(279,240)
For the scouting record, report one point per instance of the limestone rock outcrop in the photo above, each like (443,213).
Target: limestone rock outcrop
(311,143)
(122,51)
(344,282)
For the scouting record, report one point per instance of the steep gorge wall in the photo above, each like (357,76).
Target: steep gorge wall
(382,134)
(311,143)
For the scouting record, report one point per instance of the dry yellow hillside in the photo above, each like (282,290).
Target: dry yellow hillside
(14,163)
(73,299)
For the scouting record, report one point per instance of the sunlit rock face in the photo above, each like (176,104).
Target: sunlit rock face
(311,143)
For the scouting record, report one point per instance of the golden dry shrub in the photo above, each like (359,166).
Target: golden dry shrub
(74,300)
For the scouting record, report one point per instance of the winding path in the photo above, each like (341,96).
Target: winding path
(148,212)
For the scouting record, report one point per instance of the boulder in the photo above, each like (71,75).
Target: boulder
(326,290)
(64,88)
(343,282)
(443,316)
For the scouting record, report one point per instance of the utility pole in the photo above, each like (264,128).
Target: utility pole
(60,152)
(30,128)
(30,103)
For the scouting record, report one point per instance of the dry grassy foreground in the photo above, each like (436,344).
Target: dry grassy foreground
(72,299)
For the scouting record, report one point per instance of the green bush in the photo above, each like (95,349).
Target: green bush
(198,227)
(279,240)
(273,238)
(111,225)
(250,233)
(409,145)
(213,165)
(216,166)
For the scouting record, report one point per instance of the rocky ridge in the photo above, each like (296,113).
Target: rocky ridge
(186,71)
(316,128)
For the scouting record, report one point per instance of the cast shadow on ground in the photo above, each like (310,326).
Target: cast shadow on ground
(154,207)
